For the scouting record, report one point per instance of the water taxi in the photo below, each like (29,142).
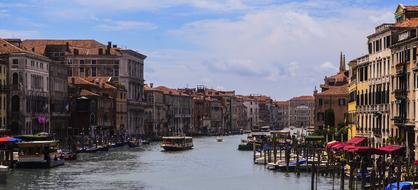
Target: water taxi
(174,143)
(38,154)
(219,139)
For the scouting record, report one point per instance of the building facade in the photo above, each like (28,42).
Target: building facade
(282,114)
(29,89)
(301,111)
(333,98)
(89,58)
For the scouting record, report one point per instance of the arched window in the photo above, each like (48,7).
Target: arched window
(15,103)
(15,79)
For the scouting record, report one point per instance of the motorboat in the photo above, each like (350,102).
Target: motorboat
(175,143)
(134,143)
(219,139)
(38,154)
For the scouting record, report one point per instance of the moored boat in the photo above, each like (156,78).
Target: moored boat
(134,143)
(175,143)
(102,148)
(144,141)
(38,154)
(219,139)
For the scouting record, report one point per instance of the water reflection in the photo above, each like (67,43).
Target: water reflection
(210,165)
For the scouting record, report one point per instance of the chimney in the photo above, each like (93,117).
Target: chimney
(151,85)
(115,46)
(67,45)
(109,45)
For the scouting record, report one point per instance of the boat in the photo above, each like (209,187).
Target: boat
(175,143)
(144,141)
(67,155)
(102,148)
(219,139)
(38,154)
(245,145)
(134,143)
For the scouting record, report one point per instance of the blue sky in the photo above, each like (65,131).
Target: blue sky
(278,48)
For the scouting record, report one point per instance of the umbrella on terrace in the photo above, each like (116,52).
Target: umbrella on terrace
(9,139)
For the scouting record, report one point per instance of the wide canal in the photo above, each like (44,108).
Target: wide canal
(210,165)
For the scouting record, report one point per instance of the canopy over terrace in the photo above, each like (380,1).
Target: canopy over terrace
(356,140)
(390,149)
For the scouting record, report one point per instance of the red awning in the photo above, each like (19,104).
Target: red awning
(361,149)
(337,146)
(347,147)
(331,144)
(389,149)
(356,140)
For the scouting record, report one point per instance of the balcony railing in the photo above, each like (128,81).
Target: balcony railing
(400,68)
(400,93)
(377,132)
(399,120)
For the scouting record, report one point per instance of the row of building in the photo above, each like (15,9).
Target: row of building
(70,88)
(377,96)
(204,111)
(86,91)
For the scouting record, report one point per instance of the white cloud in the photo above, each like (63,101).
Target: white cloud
(213,5)
(5,33)
(282,43)
(328,65)
(124,25)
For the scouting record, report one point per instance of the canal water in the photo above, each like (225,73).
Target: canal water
(210,165)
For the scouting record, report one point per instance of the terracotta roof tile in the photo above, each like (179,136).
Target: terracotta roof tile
(101,81)
(335,90)
(303,98)
(85,47)
(79,80)
(85,92)
(413,22)
(6,47)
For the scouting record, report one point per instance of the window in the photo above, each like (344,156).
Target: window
(81,72)
(93,71)
(42,65)
(70,72)
(320,102)
(70,61)
(76,52)
(15,103)
(81,62)
(342,102)
(15,78)
(93,62)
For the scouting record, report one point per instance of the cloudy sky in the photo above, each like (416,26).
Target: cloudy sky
(279,48)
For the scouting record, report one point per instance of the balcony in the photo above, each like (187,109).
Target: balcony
(377,132)
(400,69)
(399,120)
(400,94)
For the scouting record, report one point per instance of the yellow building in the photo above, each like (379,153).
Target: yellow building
(362,86)
(352,105)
